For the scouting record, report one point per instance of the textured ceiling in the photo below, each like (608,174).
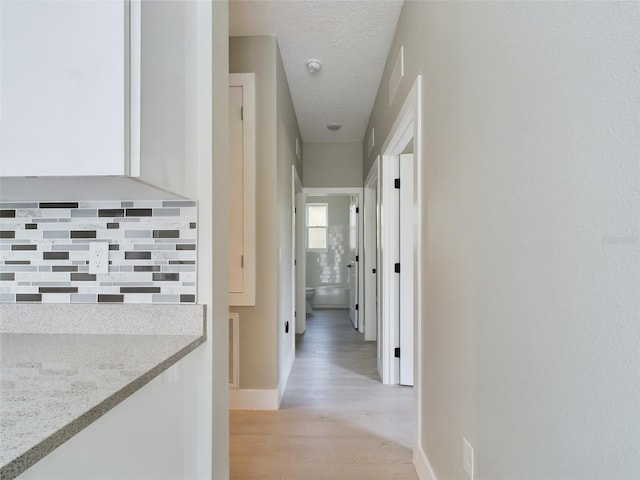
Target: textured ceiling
(350,37)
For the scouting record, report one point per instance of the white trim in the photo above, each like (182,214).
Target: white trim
(370,253)
(135,66)
(247,82)
(250,399)
(374,173)
(422,464)
(407,277)
(408,124)
(299,268)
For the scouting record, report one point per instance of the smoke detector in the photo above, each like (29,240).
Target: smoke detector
(334,126)
(314,65)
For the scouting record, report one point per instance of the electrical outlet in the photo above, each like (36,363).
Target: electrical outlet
(99,258)
(467,458)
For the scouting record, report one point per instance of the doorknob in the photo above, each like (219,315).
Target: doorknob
(349,266)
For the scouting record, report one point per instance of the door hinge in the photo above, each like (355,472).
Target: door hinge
(396,352)
(241,113)
(357,307)
(295,262)
(241,261)
(357,209)
(397,268)
(373,270)
(357,257)
(396,183)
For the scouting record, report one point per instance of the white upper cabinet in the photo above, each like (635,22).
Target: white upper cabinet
(242,185)
(63,82)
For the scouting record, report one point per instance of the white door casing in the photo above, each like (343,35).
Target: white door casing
(407,217)
(403,132)
(370,254)
(300,258)
(407,127)
(353,261)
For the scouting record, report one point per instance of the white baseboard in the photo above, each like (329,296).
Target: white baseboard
(252,399)
(249,399)
(421,462)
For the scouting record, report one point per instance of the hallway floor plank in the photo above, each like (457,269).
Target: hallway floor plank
(337,421)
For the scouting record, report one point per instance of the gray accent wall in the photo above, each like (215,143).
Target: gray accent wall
(531,228)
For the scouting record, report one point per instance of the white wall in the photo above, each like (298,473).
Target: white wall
(62,103)
(531,223)
(184,137)
(332,165)
(168,154)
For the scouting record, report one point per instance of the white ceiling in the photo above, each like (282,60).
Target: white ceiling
(350,37)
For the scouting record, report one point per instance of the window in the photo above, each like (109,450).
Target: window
(317,226)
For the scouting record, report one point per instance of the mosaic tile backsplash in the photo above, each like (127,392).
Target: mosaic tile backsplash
(44,251)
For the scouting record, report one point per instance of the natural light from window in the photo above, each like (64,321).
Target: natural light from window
(317,226)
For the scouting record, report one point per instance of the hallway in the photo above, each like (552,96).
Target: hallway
(337,421)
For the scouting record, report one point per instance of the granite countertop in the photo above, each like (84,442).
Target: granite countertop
(52,385)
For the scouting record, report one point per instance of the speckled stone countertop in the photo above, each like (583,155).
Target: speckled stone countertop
(52,385)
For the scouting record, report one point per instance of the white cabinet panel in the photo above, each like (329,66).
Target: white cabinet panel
(242,185)
(62,100)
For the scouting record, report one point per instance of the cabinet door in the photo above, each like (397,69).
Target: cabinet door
(242,189)
(62,71)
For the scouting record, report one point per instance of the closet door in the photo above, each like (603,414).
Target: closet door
(242,245)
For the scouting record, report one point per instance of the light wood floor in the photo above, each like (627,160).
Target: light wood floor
(337,421)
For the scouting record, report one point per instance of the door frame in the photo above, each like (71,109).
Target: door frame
(408,126)
(298,301)
(300,260)
(371,254)
(358,191)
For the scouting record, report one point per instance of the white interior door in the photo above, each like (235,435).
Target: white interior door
(397,265)
(353,261)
